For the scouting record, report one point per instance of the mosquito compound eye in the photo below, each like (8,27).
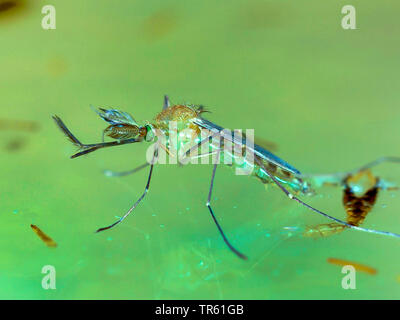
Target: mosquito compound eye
(149,134)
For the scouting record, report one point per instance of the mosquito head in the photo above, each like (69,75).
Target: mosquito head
(123,126)
(148,132)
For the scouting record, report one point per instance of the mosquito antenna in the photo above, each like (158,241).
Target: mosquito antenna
(291,196)
(68,133)
(88,148)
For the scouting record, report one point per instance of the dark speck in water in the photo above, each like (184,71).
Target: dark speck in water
(11,7)
(15,144)
(19,125)
(7,5)
(159,24)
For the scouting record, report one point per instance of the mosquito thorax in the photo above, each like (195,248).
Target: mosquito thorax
(176,113)
(182,115)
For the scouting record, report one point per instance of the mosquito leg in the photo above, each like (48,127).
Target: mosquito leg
(240,255)
(87,148)
(291,196)
(198,145)
(379,161)
(341,175)
(138,201)
(166,102)
(202,155)
(110,173)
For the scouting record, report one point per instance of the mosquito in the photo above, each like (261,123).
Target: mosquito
(267,167)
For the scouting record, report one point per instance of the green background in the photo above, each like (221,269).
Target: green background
(328,97)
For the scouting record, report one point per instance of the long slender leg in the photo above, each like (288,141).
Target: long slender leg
(379,161)
(340,175)
(166,102)
(110,173)
(87,148)
(240,255)
(138,201)
(291,196)
(202,155)
(199,144)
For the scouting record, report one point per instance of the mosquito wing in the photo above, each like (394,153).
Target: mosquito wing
(258,150)
(266,144)
(114,116)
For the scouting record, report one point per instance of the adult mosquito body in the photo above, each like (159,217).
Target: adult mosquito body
(266,166)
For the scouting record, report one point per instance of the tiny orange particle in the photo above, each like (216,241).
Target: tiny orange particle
(357,266)
(45,238)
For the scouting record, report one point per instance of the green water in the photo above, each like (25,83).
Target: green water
(327,96)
